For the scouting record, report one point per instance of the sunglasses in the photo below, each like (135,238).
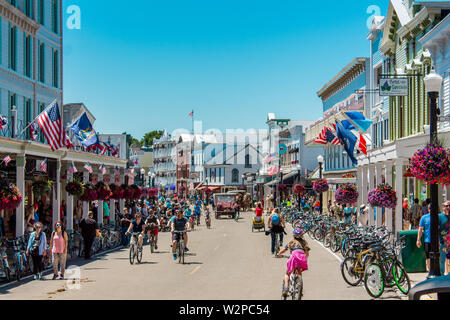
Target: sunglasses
(37,227)
(58,225)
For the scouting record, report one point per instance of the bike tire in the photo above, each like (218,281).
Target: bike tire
(327,241)
(139,255)
(8,275)
(152,246)
(401,278)
(374,281)
(347,270)
(132,254)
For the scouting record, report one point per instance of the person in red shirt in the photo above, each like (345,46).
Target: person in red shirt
(259,210)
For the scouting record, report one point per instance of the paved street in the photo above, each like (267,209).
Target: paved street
(228,262)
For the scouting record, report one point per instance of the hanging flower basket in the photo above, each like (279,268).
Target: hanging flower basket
(42,187)
(89,194)
(152,192)
(320,186)
(432,164)
(127,192)
(446,237)
(347,194)
(75,188)
(10,197)
(136,192)
(383,196)
(207,190)
(117,192)
(144,192)
(299,189)
(282,187)
(103,191)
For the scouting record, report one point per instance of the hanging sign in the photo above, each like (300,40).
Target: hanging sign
(394,87)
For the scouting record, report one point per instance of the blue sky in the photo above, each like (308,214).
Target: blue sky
(145,66)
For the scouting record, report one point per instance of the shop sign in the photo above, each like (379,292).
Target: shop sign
(394,87)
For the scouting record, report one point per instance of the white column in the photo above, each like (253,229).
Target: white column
(359,184)
(85,204)
(57,194)
(371,186)
(100,205)
(398,226)
(388,218)
(379,180)
(69,202)
(364,183)
(20,182)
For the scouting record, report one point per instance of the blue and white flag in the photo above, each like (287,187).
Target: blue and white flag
(348,141)
(359,120)
(85,133)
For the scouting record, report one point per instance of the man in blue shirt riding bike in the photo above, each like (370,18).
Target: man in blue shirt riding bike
(180,224)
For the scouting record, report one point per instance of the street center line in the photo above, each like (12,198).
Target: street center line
(195,270)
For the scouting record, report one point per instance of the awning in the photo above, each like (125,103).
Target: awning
(214,188)
(271,183)
(199,187)
(290,175)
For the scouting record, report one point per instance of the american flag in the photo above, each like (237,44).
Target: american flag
(44,165)
(328,135)
(191,114)
(72,168)
(33,131)
(51,125)
(7,160)
(88,167)
(102,169)
(3,122)
(102,147)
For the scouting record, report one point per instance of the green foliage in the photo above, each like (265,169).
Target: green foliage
(149,137)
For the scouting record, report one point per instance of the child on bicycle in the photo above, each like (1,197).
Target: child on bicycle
(298,262)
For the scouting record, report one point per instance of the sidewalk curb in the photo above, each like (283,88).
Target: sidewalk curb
(50,270)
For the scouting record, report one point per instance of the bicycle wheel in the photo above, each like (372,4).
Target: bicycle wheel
(349,272)
(327,241)
(401,278)
(298,288)
(152,245)
(17,270)
(374,281)
(139,255)
(132,253)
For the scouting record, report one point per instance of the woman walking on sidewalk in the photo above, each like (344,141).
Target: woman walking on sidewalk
(37,248)
(58,246)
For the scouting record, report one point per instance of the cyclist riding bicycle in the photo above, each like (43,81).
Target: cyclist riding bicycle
(276,226)
(298,262)
(153,224)
(138,226)
(181,224)
(197,211)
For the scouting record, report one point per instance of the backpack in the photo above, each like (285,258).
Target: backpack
(276,219)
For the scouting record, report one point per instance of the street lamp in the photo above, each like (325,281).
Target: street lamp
(143,176)
(433,85)
(320,160)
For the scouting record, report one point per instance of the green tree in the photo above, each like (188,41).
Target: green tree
(149,137)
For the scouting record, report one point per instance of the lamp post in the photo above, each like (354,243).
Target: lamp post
(320,160)
(433,85)
(299,169)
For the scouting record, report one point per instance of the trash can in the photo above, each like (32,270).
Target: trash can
(413,258)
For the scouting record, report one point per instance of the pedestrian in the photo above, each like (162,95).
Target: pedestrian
(89,230)
(105,213)
(37,249)
(406,214)
(125,220)
(425,230)
(2,228)
(425,208)
(78,212)
(348,214)
(416,214)
(444,233)
(31,219)
(259,210)
(363,216)
(58,245)
(276,226)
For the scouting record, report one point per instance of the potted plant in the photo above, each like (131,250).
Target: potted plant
(347,194)
(90,193)
(320,186)
(41,187)
(299,189)
(127,192)
(75,188)
(383,196)
(117,192)
(431,164)
(10,197)
(103,191)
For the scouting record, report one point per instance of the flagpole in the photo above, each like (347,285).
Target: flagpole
(193,115)
(56,100)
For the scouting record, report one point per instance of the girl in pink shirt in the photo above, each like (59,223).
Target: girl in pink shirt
(58,247)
